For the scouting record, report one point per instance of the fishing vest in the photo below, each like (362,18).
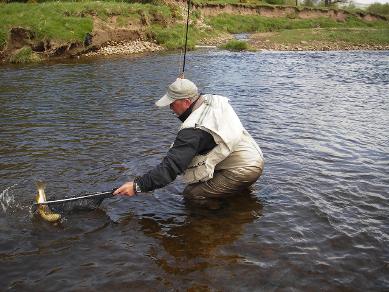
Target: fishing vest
(215,116)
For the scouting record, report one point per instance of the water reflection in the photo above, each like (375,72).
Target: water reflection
(188,246)
(92,125)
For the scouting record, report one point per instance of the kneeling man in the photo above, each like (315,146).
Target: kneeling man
(213,151)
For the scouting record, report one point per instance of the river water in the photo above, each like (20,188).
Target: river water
(318,218)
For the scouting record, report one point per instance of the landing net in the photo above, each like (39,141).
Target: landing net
(77,202)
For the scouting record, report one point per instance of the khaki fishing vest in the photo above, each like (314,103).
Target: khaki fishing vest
(216,116)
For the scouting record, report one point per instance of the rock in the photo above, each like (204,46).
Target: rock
(125,48)
(88,40)
(19,37)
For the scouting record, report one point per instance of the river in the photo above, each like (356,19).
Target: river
(317,219)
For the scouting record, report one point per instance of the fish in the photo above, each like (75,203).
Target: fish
(44,210)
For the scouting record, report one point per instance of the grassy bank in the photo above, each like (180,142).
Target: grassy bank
(352,31)
(378,8)
(253,23)
(173,37)
(24,55)
(71,21)
(367,36)
(63,22)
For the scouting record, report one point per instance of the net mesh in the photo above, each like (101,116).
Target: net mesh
(77,202)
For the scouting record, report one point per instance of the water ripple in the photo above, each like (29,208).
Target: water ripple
(317,218)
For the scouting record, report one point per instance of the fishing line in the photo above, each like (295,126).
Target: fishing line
(186,38)
(93,200)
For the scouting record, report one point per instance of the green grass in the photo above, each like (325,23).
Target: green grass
(47,21)
(378,8)
(254,23)
(353,30)
(23,56)
(247,2)
(70,21)
(236,46)
(173,37)
(353,36)
(254,2)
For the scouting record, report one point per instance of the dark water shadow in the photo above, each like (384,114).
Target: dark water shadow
(191,244)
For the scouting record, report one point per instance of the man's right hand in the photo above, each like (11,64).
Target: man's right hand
(126,190)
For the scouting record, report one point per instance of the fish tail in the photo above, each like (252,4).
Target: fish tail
(47,214)
(44,210)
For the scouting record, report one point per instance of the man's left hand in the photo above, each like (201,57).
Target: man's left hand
(127,189)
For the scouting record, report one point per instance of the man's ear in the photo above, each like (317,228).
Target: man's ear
(188,102)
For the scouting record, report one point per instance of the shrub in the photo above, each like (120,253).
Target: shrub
(236,46)
(308,3)
(379,8)
(275,2)
(23,56)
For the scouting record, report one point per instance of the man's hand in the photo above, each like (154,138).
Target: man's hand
(127,189)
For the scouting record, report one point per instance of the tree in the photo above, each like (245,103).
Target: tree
(328,3)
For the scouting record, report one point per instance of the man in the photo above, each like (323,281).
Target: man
(212,150)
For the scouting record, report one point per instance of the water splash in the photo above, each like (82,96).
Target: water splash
(7,198)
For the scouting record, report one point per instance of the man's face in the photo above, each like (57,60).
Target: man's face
(180,106)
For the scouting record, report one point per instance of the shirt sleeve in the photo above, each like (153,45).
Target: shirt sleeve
(188,143)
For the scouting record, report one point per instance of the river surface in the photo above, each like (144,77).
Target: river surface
(317,219)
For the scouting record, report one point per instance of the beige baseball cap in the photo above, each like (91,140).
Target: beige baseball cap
(179,89)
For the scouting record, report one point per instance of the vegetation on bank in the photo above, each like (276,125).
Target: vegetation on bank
(71,21)
(23,56)
(378,8)
(173,37)
(352,36)
(236,46)
(64,22)
(293,31)
(46,21)
(245,2)
(256,23)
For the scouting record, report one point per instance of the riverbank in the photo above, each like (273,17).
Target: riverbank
(319,39)
(38,31)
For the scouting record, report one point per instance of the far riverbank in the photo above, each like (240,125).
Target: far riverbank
(34,32)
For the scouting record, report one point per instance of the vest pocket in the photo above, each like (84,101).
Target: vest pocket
(198,173)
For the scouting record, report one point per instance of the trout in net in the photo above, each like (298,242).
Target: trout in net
(42,209)
(49,209)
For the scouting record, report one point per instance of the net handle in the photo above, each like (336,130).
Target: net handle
(74,198)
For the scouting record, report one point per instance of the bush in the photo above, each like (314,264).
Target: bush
(308,3)
(275,2)
(23,56)
(378,8)
(236,46)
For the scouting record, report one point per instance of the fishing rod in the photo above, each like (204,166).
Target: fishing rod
(186,38)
